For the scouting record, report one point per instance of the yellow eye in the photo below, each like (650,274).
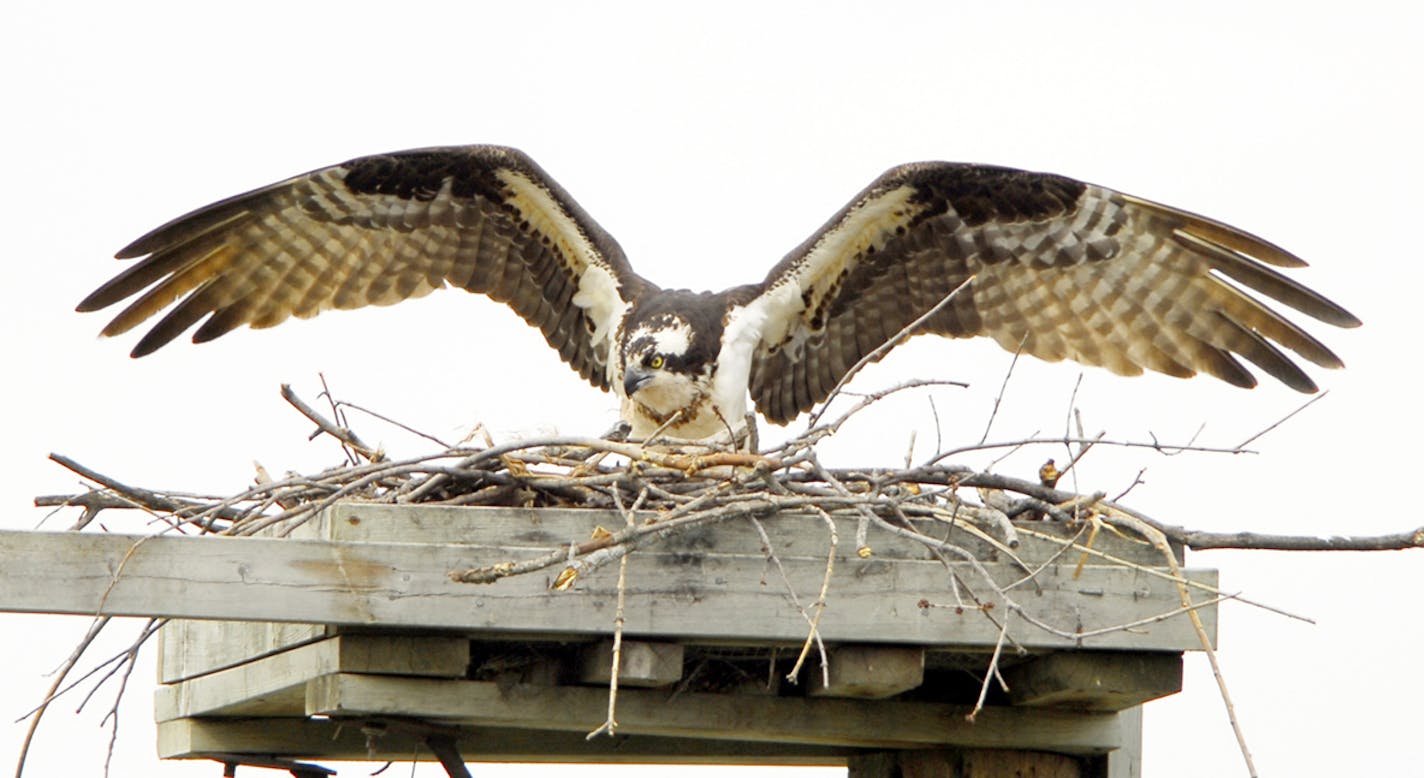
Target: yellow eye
(656,362)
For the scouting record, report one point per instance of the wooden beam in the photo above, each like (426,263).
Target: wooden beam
(328,739)
(1094,680)
(1126,762)
(641,664)
(792,535)
(276,685)
(188,648)
(711,596)
(835,722)
(869,672)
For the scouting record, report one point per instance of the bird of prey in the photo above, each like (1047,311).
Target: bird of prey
(1055,267)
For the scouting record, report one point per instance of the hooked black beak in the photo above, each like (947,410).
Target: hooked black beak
(634,379)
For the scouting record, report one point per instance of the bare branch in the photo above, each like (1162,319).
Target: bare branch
(343,434)
(819,605)
(1198,540)
(1160,541)
(1283,419)
(1003,388)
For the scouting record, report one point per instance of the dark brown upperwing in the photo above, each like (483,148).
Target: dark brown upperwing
(1060,268)
(378,230)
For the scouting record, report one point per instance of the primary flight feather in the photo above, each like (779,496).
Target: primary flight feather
(1057,268)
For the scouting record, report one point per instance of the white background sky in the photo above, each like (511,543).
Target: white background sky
(709,144)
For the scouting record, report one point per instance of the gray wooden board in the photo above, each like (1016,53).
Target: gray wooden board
(1126,761)
(791,534)
(640,663)
(192,647)
(869,672)
(328,739)
(188,648)
(819,721)
(708,597)
(275,685)
(1094,680)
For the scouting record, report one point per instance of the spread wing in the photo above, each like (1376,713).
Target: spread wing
(378,230)
(1060,269)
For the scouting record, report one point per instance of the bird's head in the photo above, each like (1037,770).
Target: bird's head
(663,370)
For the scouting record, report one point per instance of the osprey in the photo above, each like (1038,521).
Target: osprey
(1056,268)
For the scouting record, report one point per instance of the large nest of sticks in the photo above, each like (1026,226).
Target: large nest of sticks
(686,485)
(682,487)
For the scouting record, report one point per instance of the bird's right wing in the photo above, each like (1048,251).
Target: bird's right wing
(1058,268)
(378,230)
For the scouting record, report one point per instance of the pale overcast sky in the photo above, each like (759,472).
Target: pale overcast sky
(710,143)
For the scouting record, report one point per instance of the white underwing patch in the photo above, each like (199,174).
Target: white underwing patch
(597,286)
(743,336)
(865,226)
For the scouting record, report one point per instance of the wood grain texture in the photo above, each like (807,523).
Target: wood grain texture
(869,672)
(690,596)
(819,721)
(338,740)
(188,648)
(641,663)
(793,535)
(275,685)
(1094,680)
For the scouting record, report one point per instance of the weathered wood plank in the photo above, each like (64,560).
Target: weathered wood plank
(689,597)
(792,535)
(325,739)
(1126,762)
(823,721)
(870,672)
(275,685)
(640,663)
(192,647)
(1094,680)
(188,648)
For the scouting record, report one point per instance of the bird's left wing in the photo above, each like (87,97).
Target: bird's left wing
(377,230)
(1060,269)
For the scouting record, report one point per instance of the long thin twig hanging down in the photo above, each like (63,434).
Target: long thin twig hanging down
(610,724)
(1159,540)
(37,714)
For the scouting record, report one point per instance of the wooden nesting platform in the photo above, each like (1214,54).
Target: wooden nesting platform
(350,641)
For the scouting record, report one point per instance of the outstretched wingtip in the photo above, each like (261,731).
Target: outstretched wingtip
(103,297)
(139,248)
(149,343)
(1347,320)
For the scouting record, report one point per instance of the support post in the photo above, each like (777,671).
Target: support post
(1126,760)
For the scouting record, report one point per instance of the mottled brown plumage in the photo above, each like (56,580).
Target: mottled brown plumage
(1060,269)
(373,231)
